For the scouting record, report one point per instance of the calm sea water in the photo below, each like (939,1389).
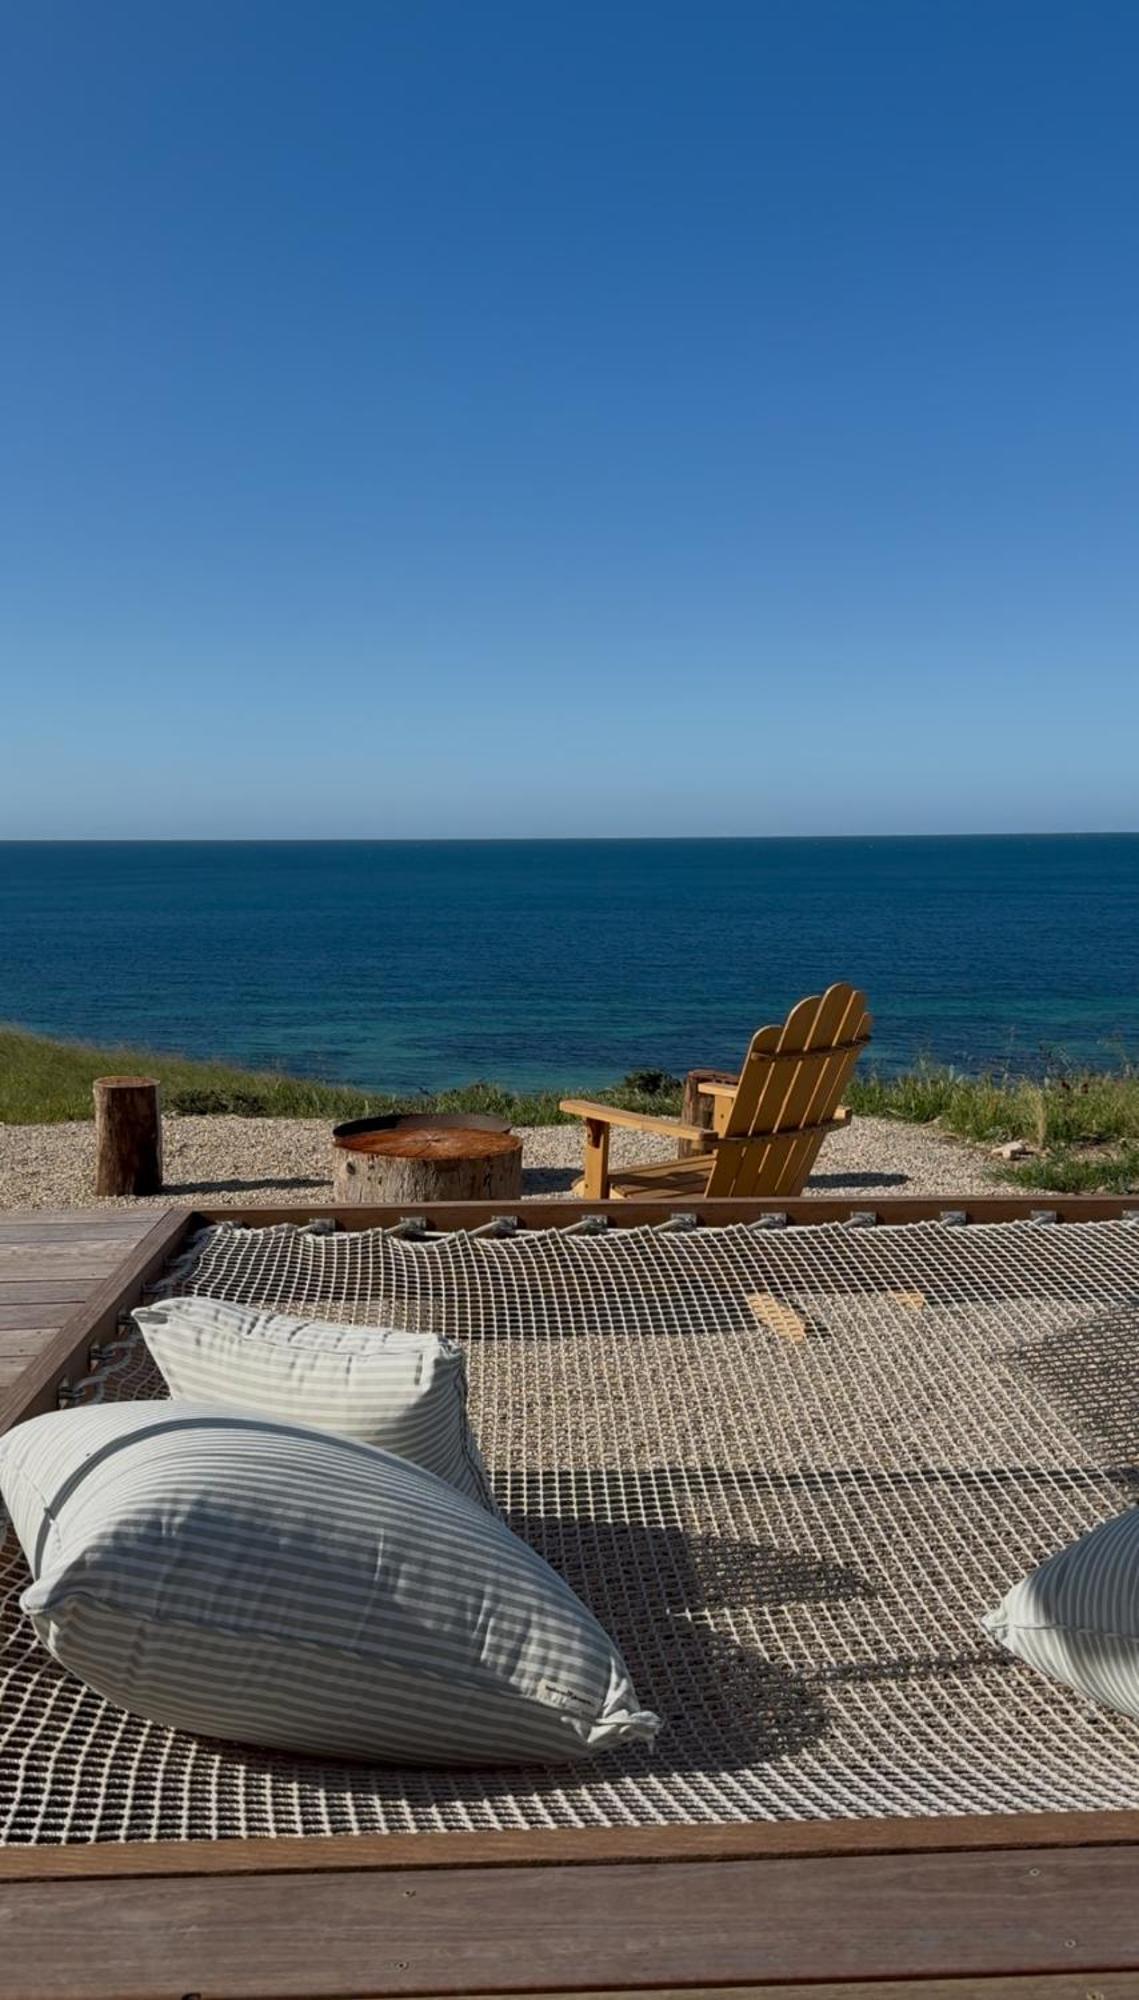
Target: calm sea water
(418,964)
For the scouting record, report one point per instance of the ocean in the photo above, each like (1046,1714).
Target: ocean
(407,965)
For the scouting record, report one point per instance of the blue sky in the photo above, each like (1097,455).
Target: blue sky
(548,417)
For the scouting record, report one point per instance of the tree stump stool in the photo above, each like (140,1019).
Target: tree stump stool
(128,1135)
(408,1160)
(697,1109)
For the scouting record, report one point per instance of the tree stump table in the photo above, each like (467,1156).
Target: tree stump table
(422,1158)
(128,1135)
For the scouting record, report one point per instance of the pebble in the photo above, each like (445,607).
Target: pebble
(261,1161)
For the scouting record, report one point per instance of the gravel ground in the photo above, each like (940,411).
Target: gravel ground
(267,1160)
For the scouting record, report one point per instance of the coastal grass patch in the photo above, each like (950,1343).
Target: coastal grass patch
(45,1082)
(48,1082)
(1067,1170)
(1081,1108)
(1082,1125)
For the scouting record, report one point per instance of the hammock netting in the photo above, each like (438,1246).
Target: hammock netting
(789,1469)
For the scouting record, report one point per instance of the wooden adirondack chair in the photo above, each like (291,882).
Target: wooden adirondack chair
(768,1125)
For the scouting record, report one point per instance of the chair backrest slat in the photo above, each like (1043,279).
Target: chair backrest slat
(793,1077)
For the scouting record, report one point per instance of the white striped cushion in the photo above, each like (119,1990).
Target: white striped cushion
(382,1385)
(1077,1616)
(259,1581)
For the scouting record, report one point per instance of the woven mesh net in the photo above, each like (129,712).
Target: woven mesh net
(788,1469)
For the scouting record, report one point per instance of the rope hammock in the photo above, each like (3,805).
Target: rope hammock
(787,1468)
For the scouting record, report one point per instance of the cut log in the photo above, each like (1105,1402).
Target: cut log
(128,1135)
(418,1160)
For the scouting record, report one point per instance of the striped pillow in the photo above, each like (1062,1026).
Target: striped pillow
(404,1391)
(259,1581)
(1077,1616)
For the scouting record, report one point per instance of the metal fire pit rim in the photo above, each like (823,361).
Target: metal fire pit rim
(416,1121)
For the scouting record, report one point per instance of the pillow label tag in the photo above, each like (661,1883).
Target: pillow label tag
(556,1696)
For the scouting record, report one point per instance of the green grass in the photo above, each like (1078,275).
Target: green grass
(1084,1126)
(1086,1108)
(43,1082)
(1066,1171)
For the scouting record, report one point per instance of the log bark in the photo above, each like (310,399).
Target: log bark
(697,1109)
(429,1166)
(128,1135)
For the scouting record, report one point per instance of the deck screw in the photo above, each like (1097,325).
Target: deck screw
(1034,1871)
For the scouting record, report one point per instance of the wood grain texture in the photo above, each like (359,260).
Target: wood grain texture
(639,1121)
(41,1291)
(31,1225)
(573,1929)
(30,1257)
(1048,1986)
(424,1165)
(790,1087)
(107,1218)
(574,1846)
(43,1318)
(116,1286)
(12,1366)
(703,1090)
(49,1266)
(595,1177)
(128,1135)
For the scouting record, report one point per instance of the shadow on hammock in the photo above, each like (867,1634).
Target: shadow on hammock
(1088,1376)
(666,1596)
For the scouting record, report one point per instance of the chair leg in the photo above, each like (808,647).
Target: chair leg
(595,1180)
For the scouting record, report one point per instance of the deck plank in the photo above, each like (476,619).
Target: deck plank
(464,1931)
(57,1272)
(41,1318)
(85,1224)
(58,1291)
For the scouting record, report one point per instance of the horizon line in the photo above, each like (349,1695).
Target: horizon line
(538,839)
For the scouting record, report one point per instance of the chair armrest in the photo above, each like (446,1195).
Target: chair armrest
(642,1121)
(719,1089)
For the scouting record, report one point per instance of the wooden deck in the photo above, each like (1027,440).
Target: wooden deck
(60,1273)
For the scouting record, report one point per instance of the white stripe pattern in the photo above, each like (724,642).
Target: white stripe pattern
(403,1391)
(1077,1616)
(268,1583)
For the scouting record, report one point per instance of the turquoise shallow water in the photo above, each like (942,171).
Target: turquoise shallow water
(417,964)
